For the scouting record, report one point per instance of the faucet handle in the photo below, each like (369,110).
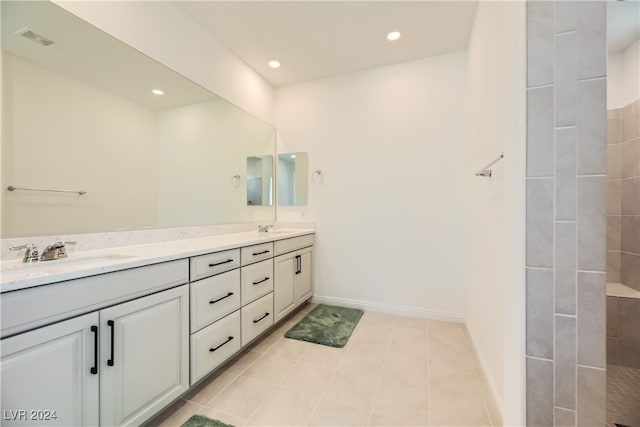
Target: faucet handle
(30,254)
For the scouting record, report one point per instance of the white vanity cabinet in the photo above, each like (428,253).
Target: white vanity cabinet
(293,274)
(145,356)
(50,375)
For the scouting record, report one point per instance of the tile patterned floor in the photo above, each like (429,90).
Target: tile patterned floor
(623,396)
(395,371)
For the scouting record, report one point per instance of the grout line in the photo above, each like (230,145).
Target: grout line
(565,221)
(590,271)
(592,175)
(565,315)
(590,79)
(566,127)
(384,363)
(565,32)
(538,358)
(539,177)
(540,86)
(538,268)
(591,367)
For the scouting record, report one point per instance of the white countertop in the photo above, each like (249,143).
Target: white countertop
(620,290)
(15,275)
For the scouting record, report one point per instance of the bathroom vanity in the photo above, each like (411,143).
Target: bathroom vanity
(113,338)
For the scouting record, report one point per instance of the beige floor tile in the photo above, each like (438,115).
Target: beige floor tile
(354,390)
(308,378)
(437,325)
(411,322)
(211,388)
(328,357)
(240,364)
(242,397)
(377,420)
(264,344)
(407,369)
(332,414)
(401,402)
(271,369)
(455,383)
(175,415)
(461,410)
(284,408)
(449,353)
(364,359)
(289,348)
(221,416)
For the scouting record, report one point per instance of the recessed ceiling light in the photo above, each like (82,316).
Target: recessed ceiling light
(293,156)
(274,63)
(157,92)
(393,36)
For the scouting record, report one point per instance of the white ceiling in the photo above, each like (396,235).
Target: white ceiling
(623,24)
(318,39)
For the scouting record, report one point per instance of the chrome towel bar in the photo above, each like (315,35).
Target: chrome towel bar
(485,171)
(12,188)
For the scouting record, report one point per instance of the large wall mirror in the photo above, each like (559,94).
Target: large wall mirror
(83,111)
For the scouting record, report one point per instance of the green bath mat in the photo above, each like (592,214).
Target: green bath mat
(202,421)
(326,325)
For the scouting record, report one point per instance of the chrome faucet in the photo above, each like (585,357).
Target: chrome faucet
(30,254)
(264,228)
(55,251)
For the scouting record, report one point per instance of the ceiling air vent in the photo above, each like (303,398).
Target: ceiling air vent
(35,37)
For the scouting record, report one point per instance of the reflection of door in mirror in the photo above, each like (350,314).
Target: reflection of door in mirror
(260,181)
(292,179)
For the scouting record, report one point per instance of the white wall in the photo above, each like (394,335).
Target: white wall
(163,31)
(495,220)
(623,77)
(390,212)
(47,120)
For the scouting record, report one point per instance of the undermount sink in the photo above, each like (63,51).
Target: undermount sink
(19,267)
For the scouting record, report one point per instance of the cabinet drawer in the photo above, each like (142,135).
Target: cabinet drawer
(256,253)
(213,345)
(256,318)
(215,263)
(213,298)
(257,280)
(295,243)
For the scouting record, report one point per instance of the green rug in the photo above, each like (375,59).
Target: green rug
(326,325)
(202,421)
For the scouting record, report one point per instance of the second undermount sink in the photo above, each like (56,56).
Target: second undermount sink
(19,267)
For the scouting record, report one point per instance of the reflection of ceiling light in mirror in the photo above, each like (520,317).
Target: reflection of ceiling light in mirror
(293,156)
(157,92)
(274,63)
(393,36)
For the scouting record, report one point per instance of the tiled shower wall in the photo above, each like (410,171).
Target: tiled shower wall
(566,213)
(623,195)
(623,233)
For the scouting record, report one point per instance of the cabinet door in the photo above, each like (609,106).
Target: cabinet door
(303,280)
(49,371)
(145,356)
(284,268)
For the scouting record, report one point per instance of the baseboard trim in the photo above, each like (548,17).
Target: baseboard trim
(391,309)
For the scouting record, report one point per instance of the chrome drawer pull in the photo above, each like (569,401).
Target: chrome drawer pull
(260,281)
(261,253)
(220,263)
(226,342)
(220,299)
(257,320)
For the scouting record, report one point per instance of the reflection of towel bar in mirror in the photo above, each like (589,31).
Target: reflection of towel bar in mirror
(12,188)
